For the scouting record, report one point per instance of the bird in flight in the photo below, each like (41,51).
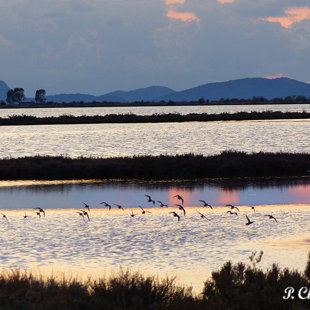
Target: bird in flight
(180,198)
(86,206)
(249,222)
(119,206)
(181,208)
(40,210)
(81,214)
(203,216)
(206,204)
(162,204)
(271,217)
(252,207)
(143,211)
(175,215)
(106,205)
(232,207)
(85,214)
(232,213)
(4,216)
(149,199)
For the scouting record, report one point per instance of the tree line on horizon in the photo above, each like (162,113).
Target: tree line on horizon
(17,96)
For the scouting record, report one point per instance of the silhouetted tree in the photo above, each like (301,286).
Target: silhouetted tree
(40,96)
(10,96)
(15,95)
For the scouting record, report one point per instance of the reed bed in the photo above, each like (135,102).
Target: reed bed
(228,164)
(155,118)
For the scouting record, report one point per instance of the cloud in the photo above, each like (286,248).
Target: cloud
(171,2)
(293,15)
(225,1)
(5,42)
(276,76)
(183,16)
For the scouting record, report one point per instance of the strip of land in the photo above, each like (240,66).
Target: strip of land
(154,118)
(180,167)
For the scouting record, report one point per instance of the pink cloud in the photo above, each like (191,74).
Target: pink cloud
(171,2)
(183,16)
(293,15)
(276,76)
(226,1)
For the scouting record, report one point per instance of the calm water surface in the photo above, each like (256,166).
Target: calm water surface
(152,110)
(154,243)
(108,140)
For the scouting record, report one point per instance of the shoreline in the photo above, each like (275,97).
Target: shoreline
(18,120)
(188,167)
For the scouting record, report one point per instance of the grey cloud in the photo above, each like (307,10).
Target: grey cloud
(99,46)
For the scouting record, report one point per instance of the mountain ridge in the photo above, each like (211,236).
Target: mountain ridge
(245,88)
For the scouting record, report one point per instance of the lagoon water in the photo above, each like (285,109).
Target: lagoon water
(109,140)
(153,243)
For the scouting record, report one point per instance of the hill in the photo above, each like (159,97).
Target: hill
(145,94)
(240,89)
(243,89)
(3,90)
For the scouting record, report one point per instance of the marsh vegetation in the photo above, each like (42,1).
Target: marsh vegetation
(154,118)
(234,286)
(228,164)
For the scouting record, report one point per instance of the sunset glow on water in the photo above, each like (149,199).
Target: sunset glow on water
(153,243)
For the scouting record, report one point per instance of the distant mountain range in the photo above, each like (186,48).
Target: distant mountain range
(241,89)
(145,94)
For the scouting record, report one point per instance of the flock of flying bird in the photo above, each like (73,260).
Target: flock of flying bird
(174,213)
(84,214)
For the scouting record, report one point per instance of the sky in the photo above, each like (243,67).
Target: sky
(99,46)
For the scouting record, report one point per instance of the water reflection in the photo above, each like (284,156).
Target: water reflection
(72,195)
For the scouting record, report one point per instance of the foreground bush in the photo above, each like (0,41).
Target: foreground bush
(126,291)
(234,286)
